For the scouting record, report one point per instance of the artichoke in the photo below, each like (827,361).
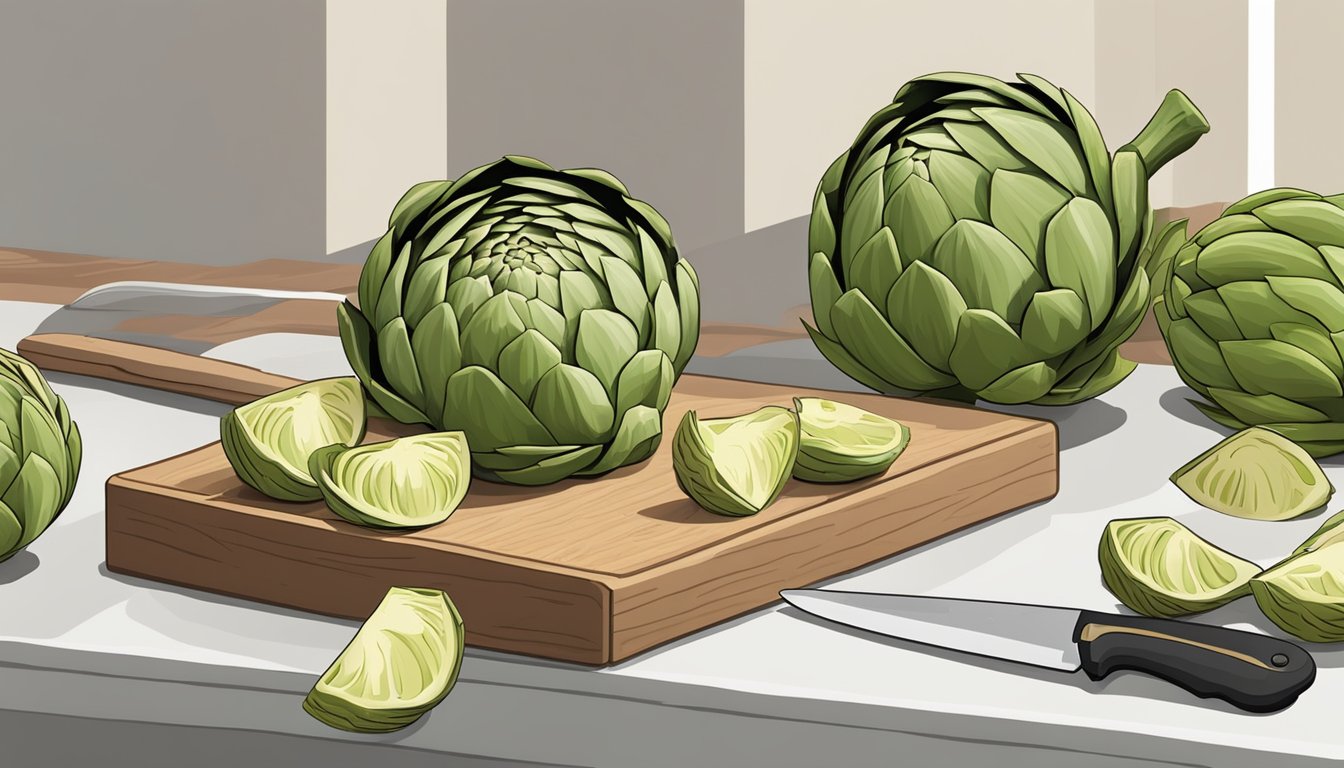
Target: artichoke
(1257,474)
(544,313)
(978,240)
(40,452)
(408,482)
(1158,567)
(1252,311)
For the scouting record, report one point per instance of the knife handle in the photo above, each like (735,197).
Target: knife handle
(1254,672)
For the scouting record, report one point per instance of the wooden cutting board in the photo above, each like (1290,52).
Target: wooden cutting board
(590,571)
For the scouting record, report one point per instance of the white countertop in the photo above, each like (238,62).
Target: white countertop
(64,615)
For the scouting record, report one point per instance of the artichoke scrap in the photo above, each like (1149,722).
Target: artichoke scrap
(40,454)
(1158,567)
(978,240)
(402,662)
(544,313)
(1304,594)
(409,482)
(1256,474)
(840,443)
(269,441)
(1252,311)
(738,465)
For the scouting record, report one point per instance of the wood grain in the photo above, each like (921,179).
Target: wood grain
(591,571)
(146,366)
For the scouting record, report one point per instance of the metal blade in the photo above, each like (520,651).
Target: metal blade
(1038,635)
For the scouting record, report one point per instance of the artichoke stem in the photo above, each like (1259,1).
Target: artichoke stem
(1175,127)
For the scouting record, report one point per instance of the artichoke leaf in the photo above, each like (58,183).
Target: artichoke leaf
(841,443)
(736,465)
(1021,205)
(408,482)
(1080,256)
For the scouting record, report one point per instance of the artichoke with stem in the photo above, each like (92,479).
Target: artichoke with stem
(1252,311)
(40,454)
(978,240)
(544,313)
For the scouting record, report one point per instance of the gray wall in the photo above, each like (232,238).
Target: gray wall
(650,90)
(187,130)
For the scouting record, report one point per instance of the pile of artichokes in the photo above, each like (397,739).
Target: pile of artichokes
(978,240)
(40,452)
(544,313)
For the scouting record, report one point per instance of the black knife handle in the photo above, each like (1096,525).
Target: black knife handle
(1253,672)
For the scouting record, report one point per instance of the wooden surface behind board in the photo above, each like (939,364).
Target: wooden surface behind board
(594,570)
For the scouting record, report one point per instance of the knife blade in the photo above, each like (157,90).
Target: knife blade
(1253,672)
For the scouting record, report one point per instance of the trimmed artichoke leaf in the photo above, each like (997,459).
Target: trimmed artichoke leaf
(489,413)
(606,341)
(824,289)
(1227,225)
(985,349)
(1080,256)
(402,662)
(987,269)
(925,307)
(963,183)
(1315,222)
(1256,474)
(1267,366)
(873,341)
(269,440)
(821,235)
(398,362)
(1265,196)
(1021,205)
(1318,298)
(1158,567)
(408,482)
(736,465)
(875,267)
(1045,143)
(437,354)
(917,216)
(840,443)
(574,406)
(1054,323)
(645,381)
(1258,255)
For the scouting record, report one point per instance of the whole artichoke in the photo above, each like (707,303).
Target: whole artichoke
(40,452)
(1252,311)
(545,313)
(979,241)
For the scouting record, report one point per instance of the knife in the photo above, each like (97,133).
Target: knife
(1254,672)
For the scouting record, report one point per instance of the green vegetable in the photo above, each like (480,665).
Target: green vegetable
(1158,567)
(840,443)
(408,482)
(736,466)
(401,663)
(544,313)
(978,240)
(1330,532)
(1256,474)
(1304,594)
(269,440)
(40,452)
(1252,310)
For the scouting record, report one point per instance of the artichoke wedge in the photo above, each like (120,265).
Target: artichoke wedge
(1304,594)
(409,482)
(1158,567)
(1256,474)
(1330,532)
(401,663)
(736,466)
(840,443)
(268,441)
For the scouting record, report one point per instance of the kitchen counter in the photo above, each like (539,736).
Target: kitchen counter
(98,666)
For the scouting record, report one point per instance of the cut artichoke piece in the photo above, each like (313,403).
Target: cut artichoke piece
(1158,567)
(1256,474)
(1304,594)
(736,466)
(1330,532)
(409,482)
(840,443)
(401,663)
(269,440)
